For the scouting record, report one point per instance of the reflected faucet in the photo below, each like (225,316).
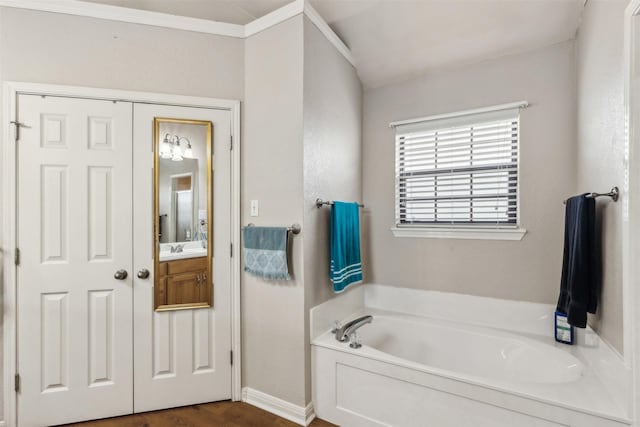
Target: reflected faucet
(176,249)
(345,331)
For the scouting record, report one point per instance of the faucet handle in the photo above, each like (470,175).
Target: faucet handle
(354,342)
(336,326)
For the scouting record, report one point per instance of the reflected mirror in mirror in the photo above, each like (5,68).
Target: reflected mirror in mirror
(182,212)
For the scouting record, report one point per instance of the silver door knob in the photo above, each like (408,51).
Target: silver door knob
(143,274)
(120,275)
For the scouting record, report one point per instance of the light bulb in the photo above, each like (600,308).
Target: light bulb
(188,152)
(177,152)
(165,148)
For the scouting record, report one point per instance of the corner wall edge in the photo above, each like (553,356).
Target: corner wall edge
(294,413)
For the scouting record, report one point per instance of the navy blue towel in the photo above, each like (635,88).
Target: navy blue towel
(580,283)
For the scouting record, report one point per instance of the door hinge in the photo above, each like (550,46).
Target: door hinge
(16,257)
(231,357)
(231,250)
(230,142)
(18,126)
(16,383)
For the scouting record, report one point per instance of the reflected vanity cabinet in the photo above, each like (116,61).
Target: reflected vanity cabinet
(183,281)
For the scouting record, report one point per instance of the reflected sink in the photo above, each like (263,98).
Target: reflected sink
(190,250)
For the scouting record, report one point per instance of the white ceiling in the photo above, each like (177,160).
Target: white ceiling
(393,40)
(232,11)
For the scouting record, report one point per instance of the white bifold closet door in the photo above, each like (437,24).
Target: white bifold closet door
(90,345)
(74,232)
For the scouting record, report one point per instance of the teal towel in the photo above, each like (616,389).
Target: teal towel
(265,252)
(346,267)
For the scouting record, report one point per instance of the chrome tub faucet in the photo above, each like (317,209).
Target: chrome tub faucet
(347,331)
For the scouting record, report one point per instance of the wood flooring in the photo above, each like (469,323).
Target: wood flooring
(223,414)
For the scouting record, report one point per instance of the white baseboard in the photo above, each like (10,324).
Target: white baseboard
(297,414)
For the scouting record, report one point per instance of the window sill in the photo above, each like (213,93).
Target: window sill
(460,233)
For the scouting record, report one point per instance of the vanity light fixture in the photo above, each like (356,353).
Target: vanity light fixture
(171,148)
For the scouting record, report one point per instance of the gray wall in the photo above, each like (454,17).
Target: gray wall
(272,163)
(332,159)
(45,47)
(166,199)
(52,48)
(302,141)
(526,270)
(600,150)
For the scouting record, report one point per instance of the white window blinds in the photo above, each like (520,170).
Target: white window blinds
(458,170)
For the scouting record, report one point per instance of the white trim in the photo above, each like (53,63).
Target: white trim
(176,22)
(324,28)
(512,105)
(130,15)
(626,268)
(8,211)
(631,211)
(236,310)
(309,413)
(276,17)
(293,9)
(460,233)
(123,95)
(10,92)
(297,414)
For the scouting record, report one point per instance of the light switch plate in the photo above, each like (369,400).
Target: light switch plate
(254,208)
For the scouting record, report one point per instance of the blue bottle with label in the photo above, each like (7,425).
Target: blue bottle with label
(564,331)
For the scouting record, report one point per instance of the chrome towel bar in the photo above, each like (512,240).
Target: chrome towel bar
(320,203)
(614,194)
(295,228)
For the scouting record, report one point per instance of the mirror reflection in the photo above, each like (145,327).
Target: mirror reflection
(182,208)
(183,212)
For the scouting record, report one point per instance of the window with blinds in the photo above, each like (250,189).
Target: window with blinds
(458,170)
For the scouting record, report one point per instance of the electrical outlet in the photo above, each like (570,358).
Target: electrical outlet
(254,208)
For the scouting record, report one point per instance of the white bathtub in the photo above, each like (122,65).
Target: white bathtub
(469,351)
(414,370)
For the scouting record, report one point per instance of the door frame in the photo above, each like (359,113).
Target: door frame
(10,92)
(631,209)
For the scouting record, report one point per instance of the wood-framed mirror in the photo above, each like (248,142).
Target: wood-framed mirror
(183,213)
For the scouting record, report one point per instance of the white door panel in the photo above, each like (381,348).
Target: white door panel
(181,357)
(74,232)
